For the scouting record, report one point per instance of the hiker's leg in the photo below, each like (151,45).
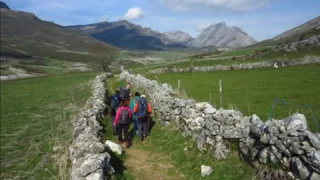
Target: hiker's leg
(145,128)
(126,132)
(135,123)
(140,131)
(119,127)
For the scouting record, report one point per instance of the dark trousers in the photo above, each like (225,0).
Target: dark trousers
(123,128)
(143,128)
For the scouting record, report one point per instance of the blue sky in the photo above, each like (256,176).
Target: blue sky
(261,19)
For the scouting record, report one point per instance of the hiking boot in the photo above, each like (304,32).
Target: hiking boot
(127,145)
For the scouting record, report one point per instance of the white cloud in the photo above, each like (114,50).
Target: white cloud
(234,5)
(133,13)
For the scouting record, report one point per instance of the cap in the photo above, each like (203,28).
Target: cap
(143,96)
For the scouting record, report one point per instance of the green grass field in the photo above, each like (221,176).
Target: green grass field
(254,91)
(35,116)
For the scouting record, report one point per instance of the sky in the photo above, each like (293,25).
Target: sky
(261,19)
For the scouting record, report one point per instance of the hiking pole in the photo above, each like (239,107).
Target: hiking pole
(148,125)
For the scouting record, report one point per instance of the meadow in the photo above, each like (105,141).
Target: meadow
(254,91)
(36,116)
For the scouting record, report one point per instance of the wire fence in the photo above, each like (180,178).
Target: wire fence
(305,106)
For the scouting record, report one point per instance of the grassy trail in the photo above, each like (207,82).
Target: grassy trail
(166,154)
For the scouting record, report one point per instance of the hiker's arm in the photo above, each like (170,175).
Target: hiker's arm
(135,108)
(129,113)
(149,109)
(115,121)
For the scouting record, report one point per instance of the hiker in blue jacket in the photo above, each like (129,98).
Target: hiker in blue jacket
(135,117)
(114,102)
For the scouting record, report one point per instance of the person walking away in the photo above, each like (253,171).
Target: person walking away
(143,110)
(122,121)
(114,103)
(133,102)
(125,92)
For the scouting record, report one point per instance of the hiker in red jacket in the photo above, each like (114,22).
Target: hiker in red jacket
(122,121)
(142,110)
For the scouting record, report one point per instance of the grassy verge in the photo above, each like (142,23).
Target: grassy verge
(35,116)
(254,91)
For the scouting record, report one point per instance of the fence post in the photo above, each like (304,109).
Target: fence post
(220,88)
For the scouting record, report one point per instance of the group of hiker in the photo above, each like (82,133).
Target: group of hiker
(125,109)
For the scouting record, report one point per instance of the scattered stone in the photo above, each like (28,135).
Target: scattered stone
(114,147)
(206,170)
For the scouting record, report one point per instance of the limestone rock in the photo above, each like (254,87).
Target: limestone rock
(114,147)
(206,170)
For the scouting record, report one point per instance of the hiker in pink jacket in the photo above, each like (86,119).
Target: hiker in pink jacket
(122,121)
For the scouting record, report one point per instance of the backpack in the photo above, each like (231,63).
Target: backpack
(124,116)
(124,94)
(114,102)
(142,108)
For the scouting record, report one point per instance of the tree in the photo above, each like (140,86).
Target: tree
(104,55)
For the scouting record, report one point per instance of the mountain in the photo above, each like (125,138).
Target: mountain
(3,5)
(178,37)
(126,35)
(304,31)
(24,33)
(221,36)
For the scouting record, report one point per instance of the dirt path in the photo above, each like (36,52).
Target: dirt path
(146,165)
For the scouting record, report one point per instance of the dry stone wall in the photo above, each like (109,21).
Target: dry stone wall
(255,65)
(286,143)
(89,157)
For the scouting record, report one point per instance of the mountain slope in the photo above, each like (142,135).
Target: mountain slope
(3,5)
(126,35)
(304,31)
(178,37)
(221,36)
(25,33)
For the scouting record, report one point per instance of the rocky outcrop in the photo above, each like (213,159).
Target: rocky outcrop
(287,143)
(89,157)
(313,41)
(15,73)
(255,65)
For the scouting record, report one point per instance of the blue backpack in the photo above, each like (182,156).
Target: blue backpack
(114,102)
(142,107)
